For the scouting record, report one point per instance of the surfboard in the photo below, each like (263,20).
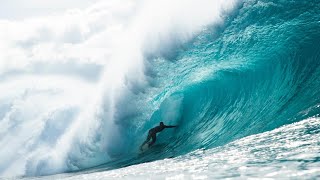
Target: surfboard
(144,148)
(156,148)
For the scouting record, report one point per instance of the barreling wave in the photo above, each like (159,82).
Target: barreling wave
(256,72)
(251,70)
(259,72)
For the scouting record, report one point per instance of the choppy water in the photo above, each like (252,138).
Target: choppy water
(240,78)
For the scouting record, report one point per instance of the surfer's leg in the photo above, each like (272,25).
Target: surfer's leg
(154,138)
(146,141)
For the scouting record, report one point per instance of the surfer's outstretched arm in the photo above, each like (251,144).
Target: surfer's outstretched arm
(170,126)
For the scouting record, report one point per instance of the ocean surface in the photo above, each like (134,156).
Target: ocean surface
(241,79)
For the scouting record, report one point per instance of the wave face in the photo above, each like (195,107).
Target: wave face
(79,95)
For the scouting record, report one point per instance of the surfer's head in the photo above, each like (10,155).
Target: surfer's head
(161,124)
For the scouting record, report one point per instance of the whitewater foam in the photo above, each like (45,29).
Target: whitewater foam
(80,95)
(66,80)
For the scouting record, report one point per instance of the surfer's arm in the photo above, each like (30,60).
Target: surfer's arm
(171,126)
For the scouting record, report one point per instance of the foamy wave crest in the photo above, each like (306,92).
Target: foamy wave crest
(69,81)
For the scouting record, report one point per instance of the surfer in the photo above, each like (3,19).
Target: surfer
(153,134)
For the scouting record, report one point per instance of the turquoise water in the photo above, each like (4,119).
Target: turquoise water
(244,92)
(256,72)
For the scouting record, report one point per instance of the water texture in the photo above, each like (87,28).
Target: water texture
(240,78)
